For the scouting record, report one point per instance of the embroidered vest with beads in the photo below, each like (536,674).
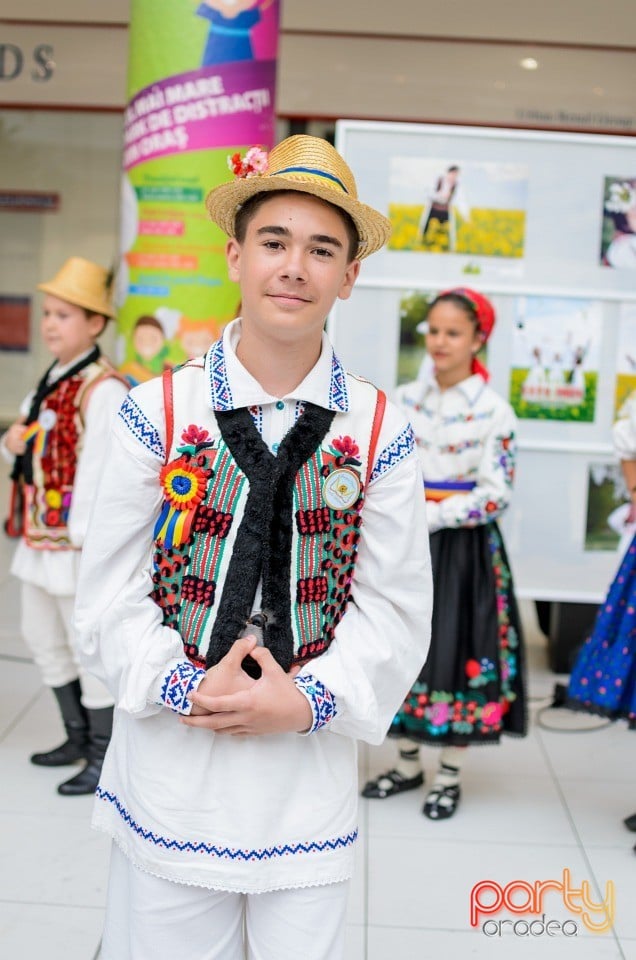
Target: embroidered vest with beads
(234,514)
(56,437)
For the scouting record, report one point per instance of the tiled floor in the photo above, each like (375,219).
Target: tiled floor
(531,808)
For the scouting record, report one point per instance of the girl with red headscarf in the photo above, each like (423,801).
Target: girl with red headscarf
(471,688)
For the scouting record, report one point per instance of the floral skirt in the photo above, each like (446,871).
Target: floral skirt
(472,686)
(603,678)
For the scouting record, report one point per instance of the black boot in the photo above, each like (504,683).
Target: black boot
(630,822)
(76,725)
(100,728)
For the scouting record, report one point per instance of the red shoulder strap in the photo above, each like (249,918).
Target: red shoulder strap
(168,408)
(378,416)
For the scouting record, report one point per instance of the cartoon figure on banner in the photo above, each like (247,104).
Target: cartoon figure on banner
(230,34)
(446,197)
(150,336)
(197,336)
(618,243)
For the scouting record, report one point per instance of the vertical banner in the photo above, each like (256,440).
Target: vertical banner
(201,86)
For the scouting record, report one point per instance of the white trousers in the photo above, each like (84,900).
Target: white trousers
(148,918)
(46,624)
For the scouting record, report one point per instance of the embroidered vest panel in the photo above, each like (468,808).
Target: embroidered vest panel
(57,442)
(207,560)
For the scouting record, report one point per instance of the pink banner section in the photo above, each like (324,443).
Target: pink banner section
(224,105)
(161,228)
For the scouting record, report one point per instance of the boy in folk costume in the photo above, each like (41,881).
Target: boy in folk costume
(56,446)
(256,592)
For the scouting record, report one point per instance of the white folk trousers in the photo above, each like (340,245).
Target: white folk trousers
(148,918)
(46,624)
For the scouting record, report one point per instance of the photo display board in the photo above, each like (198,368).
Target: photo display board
(544,224)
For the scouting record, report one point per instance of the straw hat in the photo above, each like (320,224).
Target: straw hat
(309,165)
(82,283)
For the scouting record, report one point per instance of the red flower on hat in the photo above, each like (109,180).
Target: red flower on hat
(253,164)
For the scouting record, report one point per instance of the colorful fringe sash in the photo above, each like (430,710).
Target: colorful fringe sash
(438,490)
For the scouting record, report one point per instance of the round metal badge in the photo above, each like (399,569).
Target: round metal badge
(341,489)
(47,418)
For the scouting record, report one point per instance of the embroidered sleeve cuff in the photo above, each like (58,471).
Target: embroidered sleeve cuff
(176,686)
(321,701)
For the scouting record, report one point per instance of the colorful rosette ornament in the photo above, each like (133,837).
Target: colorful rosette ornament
(184,487)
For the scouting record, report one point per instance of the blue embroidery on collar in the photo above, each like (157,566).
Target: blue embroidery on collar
(221,395)
(225,853)
(338,395)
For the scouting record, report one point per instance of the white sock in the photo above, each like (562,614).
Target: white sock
(408,762)
(449,766)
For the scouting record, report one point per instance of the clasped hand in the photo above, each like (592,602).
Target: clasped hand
(229,701)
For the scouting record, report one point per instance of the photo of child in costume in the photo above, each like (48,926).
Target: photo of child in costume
(253,627)
(555,358)
(468,208)
(618,238)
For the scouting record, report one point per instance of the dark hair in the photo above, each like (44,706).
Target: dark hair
(95,313)
(457,300)
(247,211)
(147,320)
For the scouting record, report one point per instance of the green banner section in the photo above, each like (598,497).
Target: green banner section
(201,86)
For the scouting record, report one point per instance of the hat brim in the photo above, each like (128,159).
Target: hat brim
(223,203)
(78,299)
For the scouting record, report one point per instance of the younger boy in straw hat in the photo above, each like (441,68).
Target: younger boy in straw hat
(56,446)
(255,589)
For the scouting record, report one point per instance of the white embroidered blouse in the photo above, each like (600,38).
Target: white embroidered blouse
(255,813)
(464,433)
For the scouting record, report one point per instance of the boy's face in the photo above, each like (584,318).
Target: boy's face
(291,267)
(67,331)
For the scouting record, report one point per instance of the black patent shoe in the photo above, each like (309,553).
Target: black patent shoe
(630,822)
(390,783)
(441,802)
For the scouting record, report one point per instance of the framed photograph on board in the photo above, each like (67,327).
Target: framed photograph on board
(555,358)
(543,224)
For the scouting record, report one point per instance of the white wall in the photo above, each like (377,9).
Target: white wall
(78,156)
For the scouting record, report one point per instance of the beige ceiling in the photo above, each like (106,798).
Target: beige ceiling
(611,22)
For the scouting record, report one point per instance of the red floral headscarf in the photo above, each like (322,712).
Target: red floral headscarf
(485,313)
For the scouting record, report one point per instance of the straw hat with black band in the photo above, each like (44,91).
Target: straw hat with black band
(82,283)
(308,165)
